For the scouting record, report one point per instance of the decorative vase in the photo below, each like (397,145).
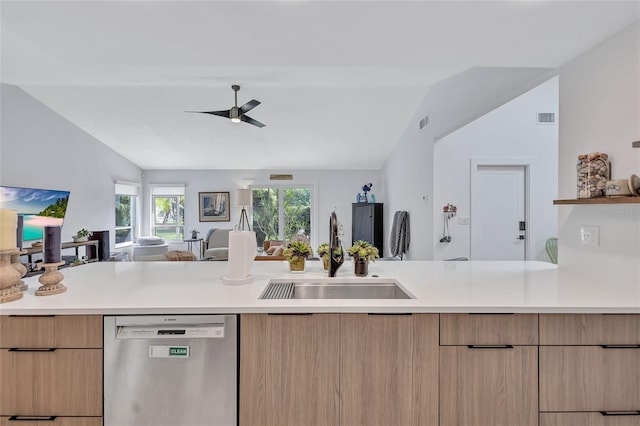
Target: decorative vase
(194,235)
(325,262)
(361,267)
(296,265)
(593,173)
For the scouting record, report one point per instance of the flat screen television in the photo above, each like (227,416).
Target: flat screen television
(38,207)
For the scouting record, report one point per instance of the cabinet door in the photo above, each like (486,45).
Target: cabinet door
(589,378)
(384,361)
(488,386)
(589,329)
(289,367)
(64,382)
(362,223)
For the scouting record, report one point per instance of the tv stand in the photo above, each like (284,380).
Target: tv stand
(89,253)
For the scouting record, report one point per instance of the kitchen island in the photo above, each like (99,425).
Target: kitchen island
(196,287)
(479,343)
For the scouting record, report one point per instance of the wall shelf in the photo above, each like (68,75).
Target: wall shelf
(603,200)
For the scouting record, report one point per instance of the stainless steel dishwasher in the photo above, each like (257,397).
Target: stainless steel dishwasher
(173,370)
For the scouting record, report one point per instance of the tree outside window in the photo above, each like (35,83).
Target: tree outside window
(168,217)
(280,213)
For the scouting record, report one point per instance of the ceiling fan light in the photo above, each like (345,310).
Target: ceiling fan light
(235,119)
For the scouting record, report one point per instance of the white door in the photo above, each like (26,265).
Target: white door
(498,211)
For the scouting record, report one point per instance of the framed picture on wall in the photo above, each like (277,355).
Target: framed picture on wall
(214,206)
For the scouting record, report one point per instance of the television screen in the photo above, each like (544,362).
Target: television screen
(38,207)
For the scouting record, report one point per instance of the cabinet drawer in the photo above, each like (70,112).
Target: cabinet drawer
(64,331)
(589,378)
(488,329)
(64,382)
(588,419)
(48,421)
(589,329)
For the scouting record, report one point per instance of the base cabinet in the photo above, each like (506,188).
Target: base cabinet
(51,370)
(488,386)
(339,369)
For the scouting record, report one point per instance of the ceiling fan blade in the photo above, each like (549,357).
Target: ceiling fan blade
(251,121)
(248,106)
(225,113)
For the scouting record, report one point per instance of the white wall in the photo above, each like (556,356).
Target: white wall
(41,149)
(333,189)
(407,174)
(600,111)
(508,132)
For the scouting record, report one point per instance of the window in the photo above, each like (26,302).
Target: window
(167,210)
(280,213)
(126,204)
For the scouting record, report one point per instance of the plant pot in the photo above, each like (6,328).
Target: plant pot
(80,239)
(361,267)
(297,265)
(325,262)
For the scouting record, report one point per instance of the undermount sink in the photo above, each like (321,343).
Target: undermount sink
(334,289)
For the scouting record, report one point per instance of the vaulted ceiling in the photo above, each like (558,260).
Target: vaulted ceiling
(338,80)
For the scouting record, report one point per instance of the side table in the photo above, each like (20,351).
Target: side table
(190,242)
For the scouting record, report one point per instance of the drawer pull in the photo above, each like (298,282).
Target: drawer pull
(33,419)
(620,413)
(295,314)
(32,349)
(390,314)
(490,346)
(491,313)
(620,346)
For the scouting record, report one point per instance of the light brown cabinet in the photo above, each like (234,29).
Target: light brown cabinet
(289,367)
(389,370)
(339,369)
(590,363)
(51,366)
(488,369)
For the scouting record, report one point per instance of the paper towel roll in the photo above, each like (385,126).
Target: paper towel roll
(242,251)
(8,225)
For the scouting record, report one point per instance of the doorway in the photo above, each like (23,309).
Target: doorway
(499,210)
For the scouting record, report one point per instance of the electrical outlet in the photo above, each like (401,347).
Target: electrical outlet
(590,235)
(463,220)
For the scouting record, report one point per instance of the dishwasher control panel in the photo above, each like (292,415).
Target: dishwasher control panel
(175,331)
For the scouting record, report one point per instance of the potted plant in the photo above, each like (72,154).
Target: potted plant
(323,252)
(362,253)
(82,235)
(296,253)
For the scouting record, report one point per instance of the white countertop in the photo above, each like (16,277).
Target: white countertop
(196,287)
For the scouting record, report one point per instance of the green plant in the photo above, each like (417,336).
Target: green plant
(84,233)
(296,250)
(362,250)
(323,249)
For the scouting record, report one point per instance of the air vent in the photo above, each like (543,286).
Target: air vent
(424,122)
(546,118)
(280,177)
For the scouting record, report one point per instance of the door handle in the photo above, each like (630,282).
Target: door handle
(520,237)
(490,346)
(32,349)
(620,413)
(33,418)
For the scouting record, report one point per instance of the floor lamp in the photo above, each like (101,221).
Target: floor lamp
(243,199)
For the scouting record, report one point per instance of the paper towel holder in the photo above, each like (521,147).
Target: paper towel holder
(243,199)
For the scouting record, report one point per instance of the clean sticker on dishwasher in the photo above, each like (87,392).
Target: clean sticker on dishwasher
(165,351)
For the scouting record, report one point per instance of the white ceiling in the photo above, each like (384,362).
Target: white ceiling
(338,80)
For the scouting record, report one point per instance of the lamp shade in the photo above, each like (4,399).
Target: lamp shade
(243,197)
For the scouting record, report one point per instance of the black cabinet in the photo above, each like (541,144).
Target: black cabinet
(367,224)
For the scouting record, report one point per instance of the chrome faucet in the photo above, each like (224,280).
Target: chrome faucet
(336,255)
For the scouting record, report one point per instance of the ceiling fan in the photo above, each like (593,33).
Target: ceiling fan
(237,114)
